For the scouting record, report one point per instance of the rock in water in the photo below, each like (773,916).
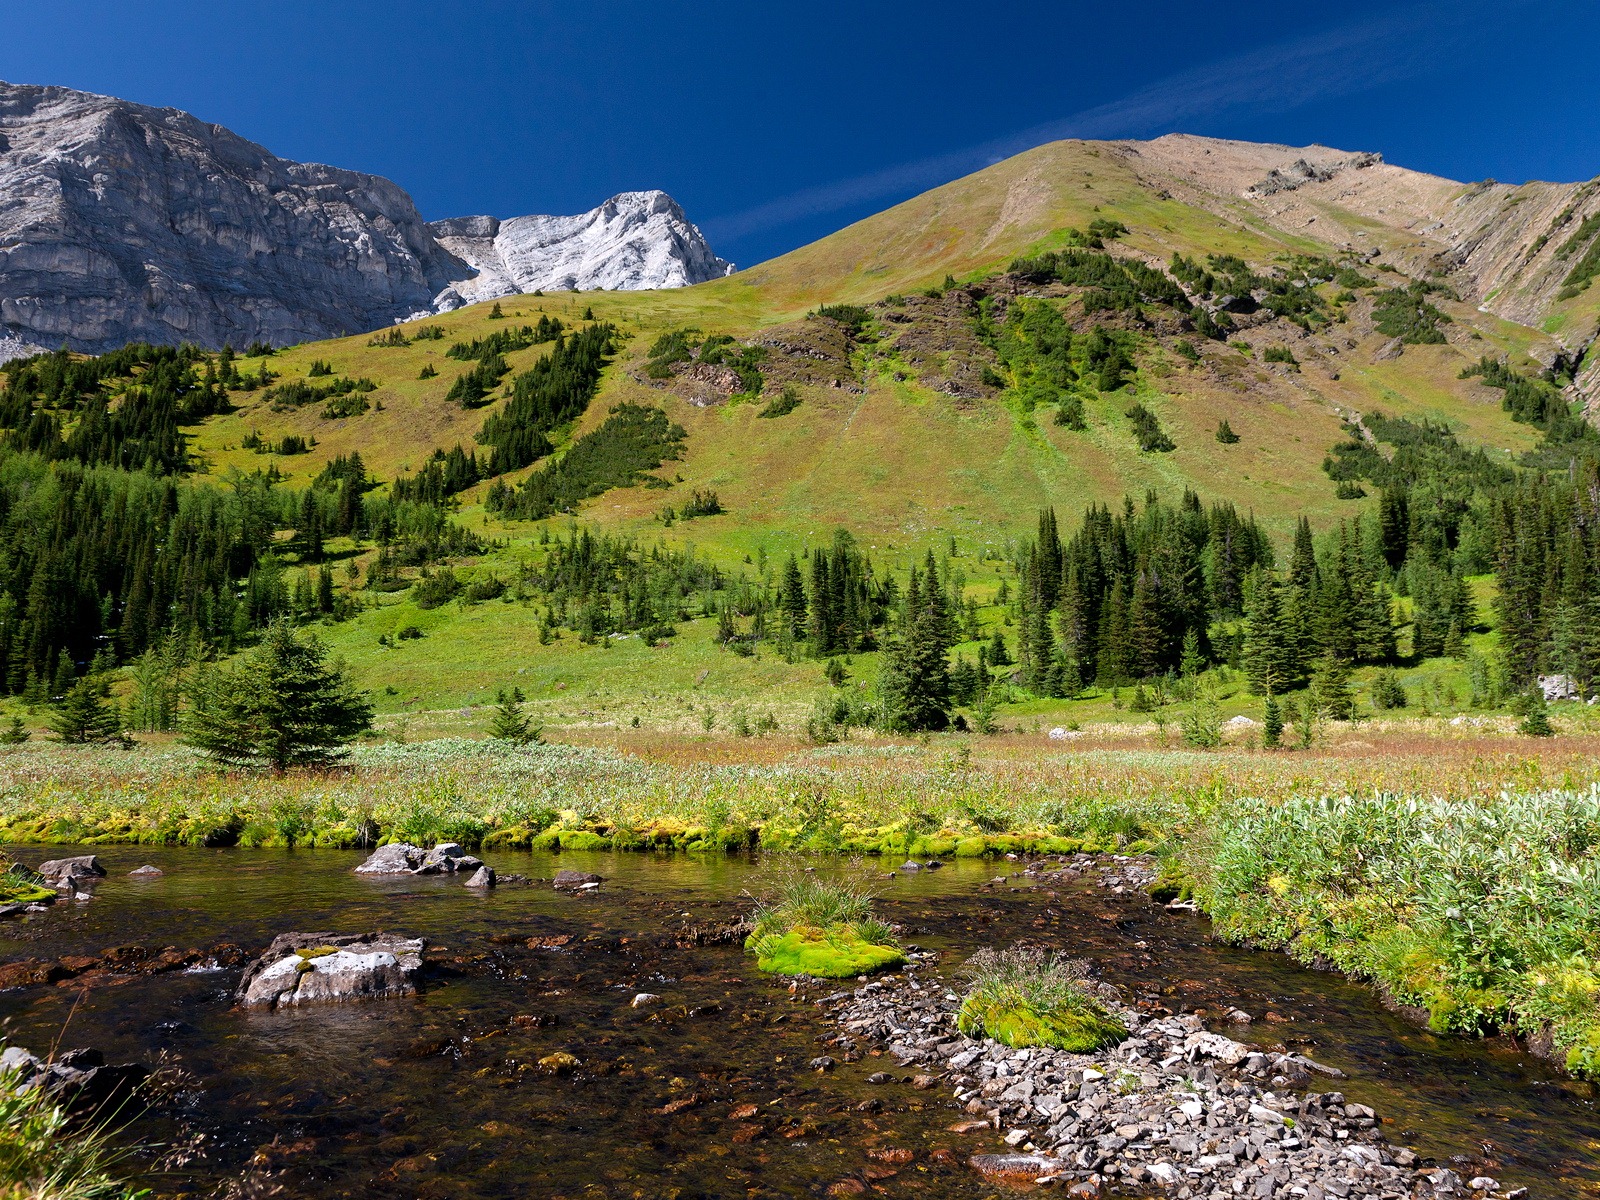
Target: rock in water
(573,880)
(79,1080)
(327,968)
(483,877)
(397,858)
(146,871)
(401,858)
(82,867)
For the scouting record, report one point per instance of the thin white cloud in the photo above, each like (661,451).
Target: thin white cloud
(1341,61)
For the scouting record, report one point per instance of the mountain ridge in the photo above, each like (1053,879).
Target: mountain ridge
(123,222)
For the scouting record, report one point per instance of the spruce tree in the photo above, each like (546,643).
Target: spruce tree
(83,717)
(1271,723)
(1537,721)
(511,722)
(284,705)
(915,679)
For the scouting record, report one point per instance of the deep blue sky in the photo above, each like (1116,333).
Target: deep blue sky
(776,123)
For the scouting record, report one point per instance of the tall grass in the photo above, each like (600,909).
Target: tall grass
(47,1155)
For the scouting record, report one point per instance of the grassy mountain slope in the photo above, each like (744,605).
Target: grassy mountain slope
(878,443)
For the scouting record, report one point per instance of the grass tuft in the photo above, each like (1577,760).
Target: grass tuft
(1024,997)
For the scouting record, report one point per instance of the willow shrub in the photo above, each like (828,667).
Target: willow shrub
(1484,912)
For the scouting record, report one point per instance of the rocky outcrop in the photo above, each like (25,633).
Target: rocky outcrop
(325,968)
(634,240)
(120,222)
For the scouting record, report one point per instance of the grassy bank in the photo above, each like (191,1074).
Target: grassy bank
(1485,912)
(1457,872)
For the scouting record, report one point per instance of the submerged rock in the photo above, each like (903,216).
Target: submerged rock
(146,872)
(573,880)
(326,968)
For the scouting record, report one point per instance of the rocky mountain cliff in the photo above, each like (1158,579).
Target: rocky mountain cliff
(120,222)
(634,240)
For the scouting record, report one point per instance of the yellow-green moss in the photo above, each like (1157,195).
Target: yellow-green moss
(1078,1030)
(827,954)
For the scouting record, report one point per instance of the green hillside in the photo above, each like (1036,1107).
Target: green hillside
(924,414)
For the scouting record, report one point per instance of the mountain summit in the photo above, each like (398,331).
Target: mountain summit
(120,222)
(633,240)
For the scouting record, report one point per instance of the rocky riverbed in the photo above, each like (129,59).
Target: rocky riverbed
(1174,1107)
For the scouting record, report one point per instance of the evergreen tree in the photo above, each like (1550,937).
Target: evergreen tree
(1331,687)
(1271,723)
(284,705)
(1537,721)
(511,721)
(915,679)
(83,717)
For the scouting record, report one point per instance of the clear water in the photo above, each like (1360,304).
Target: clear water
(442,1096)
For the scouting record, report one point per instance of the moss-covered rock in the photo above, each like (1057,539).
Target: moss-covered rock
(1078,1030)
(839,953)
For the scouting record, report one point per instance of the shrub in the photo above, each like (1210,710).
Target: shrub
(1148,430)
(783,404)
(1225,433)
(1024,997)
(1281,354)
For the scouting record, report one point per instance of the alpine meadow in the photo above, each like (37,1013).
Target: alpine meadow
(1191,546)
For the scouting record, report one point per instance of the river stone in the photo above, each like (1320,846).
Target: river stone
(79,1080)
(146,871)
(58,870)
(1020,1168)
(910,868)
(363,966)
(575,879)
(482,878)
(397,858)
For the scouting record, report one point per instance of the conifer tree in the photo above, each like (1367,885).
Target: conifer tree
(1271,723)
(915,679)
(511,721)
(83,717)
(284,705)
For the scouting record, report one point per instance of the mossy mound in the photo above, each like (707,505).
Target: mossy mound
(839,953)
(1078,1030)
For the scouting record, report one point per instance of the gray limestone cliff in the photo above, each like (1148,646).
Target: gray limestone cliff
(120,222)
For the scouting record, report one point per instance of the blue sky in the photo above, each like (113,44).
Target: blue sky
(776,123)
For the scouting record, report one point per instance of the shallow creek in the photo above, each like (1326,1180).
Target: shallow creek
(442,1096)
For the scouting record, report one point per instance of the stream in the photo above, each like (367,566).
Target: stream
(444,1095)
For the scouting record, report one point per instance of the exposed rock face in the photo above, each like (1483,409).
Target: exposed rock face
(634,240)
(325,968)
(120,222)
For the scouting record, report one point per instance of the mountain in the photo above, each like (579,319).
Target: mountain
(634,240)
(120,222)
(1290,331)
